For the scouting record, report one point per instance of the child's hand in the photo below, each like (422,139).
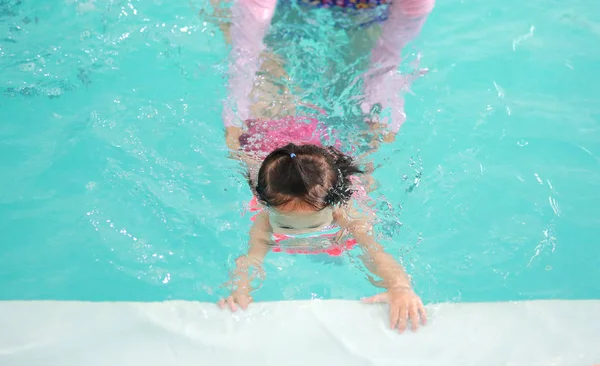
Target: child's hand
(241,297)
(404,305)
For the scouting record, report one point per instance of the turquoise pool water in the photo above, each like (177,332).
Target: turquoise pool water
(116,185)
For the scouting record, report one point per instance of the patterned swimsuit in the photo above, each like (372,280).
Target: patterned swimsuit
(363,12)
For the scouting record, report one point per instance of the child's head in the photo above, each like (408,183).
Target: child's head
(305,179)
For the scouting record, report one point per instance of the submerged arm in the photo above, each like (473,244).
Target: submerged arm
(377,260)
(404,303)
(257,250)
(250,20)
(405,21)
(382,81)
(381,263)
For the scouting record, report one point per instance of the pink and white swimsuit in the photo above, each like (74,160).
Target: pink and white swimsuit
(262,137)
(329,240)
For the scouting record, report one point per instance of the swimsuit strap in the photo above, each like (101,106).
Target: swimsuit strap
(328,232)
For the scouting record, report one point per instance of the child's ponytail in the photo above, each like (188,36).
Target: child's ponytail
(307,175)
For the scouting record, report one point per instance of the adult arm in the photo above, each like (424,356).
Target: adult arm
(250,20)
(383,82)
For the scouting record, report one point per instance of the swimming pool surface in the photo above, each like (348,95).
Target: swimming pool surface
(116,183)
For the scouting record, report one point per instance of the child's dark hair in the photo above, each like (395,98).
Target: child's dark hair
(306,175)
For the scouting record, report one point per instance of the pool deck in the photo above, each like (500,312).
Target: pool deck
(331,332)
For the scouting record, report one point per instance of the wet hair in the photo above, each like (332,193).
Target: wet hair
(305,175)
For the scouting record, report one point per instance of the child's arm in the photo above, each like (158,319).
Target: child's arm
(260,236)
(404,303)
(382,81)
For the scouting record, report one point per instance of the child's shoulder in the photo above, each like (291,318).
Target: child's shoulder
(261,222)
(354,215)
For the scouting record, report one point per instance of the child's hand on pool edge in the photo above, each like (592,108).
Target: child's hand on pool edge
(241,297)
(241,279)
(404,305)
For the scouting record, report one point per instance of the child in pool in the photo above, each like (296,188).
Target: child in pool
(311,202)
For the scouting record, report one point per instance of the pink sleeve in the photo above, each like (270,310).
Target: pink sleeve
(382,80)
(403,24)
(250,21)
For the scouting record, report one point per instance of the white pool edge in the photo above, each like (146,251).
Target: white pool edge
(317,332)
